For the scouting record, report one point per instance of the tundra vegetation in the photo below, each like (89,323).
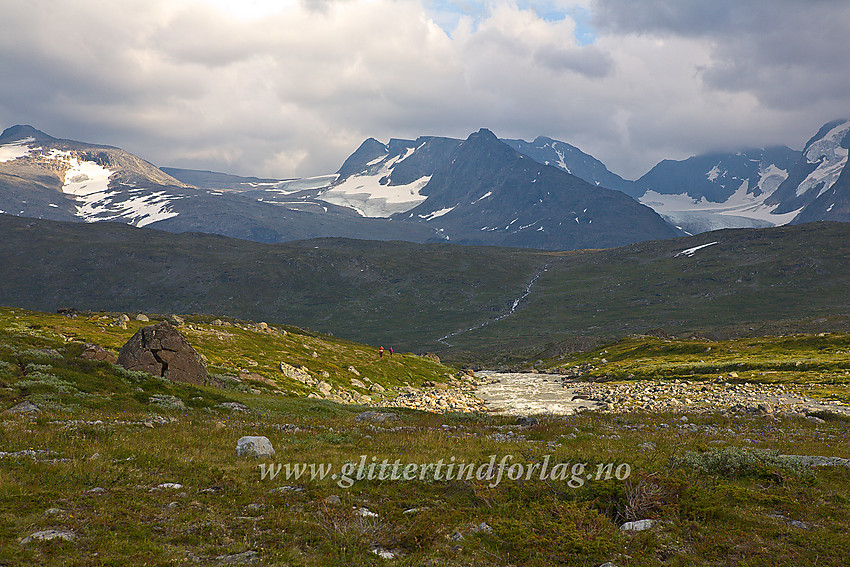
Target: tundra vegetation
(130,469)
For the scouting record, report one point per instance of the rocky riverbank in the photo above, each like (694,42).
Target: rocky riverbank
(526,393)
(523,393)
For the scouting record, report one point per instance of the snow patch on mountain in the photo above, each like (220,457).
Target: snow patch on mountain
(830,158)
(689,252)
(88,183)
(744,208)
(15,150)
(371,194)
(436,214)
(714,173)
(770,179)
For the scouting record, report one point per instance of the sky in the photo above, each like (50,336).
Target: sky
(289,88)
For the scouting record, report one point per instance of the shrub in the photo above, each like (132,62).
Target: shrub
(736,462)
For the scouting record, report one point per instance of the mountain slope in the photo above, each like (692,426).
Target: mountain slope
(574,161)
(818,186)
(380,180)
(488,193)
(719,190)
(43,177)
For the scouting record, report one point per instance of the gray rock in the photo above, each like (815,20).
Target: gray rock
(637,526)
(818,461)
(333,499)
(357,383)
(162,351)
(25,406)
(97,352)
(648,446)
(299,374)
(383,552)
(234,406)
(324,387)
(527,421)
(142,317)
(376,416)
(47,535)
(254,446)
(176,320)
(483,528)
(353,371)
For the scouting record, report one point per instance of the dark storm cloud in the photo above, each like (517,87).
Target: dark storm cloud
(787,53)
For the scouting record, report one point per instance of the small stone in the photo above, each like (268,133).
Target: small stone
(172,505)
(383,553)
(353,371)
(483,528)
(376,416)
(637,526)
(648,446)
(254,446)
(527,421)
(357,383)
(142,317)
(815,419)
(254,506)
(176,320)
(47,535)
(333,499)
(24,407)
(97,352)
(168,486)
(53,511)
(365,512)
(96,490)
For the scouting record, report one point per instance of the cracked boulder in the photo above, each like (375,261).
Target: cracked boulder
(162,351)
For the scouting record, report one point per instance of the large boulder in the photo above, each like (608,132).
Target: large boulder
(255,446)
(161,350)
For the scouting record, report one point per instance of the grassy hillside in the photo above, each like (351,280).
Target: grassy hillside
(137,470)
(751,282)
(42,352)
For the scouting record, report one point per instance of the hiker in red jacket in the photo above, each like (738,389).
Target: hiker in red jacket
(381,352)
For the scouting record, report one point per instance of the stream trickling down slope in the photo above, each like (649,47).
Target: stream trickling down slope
(510,312)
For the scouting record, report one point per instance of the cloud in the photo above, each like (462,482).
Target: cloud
(291,88)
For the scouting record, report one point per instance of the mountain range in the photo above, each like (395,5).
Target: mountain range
(543,194)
